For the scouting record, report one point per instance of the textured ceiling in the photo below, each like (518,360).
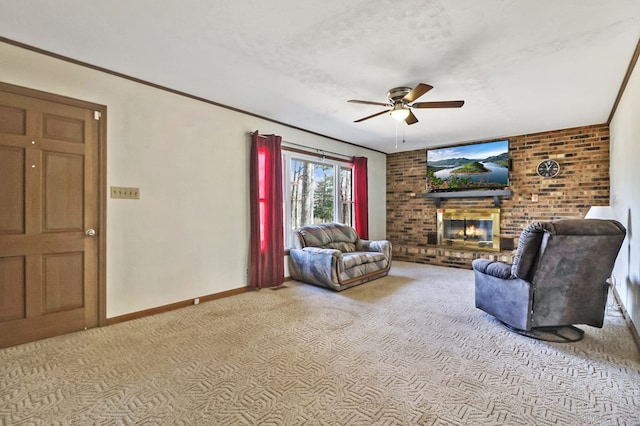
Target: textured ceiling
(521,66)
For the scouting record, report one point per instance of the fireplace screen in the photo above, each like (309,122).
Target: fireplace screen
(469,228)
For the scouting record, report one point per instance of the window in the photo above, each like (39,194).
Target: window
(346,194)
(316,191)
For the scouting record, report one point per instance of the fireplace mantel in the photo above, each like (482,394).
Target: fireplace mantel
(495,193)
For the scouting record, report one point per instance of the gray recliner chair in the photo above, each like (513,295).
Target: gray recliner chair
(558,278)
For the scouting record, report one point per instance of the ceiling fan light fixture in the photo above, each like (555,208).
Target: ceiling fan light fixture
(399,112)
(402,101)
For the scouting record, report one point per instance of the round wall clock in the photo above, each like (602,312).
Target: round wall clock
(548,168)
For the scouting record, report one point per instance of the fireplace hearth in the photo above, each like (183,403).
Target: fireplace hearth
(474,229)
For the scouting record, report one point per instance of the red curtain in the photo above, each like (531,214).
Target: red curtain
(267,239)
(361,196)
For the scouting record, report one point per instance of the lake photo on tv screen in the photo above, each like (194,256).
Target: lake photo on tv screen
(476,166)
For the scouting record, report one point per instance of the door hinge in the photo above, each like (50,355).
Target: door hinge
(97,115)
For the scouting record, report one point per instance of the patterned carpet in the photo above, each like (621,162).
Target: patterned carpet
(407,349)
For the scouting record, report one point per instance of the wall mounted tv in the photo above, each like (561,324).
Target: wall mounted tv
(466,167)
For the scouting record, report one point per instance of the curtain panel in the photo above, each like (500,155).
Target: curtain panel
(361,196)
(267,233)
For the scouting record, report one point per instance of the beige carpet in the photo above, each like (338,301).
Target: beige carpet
(408,349)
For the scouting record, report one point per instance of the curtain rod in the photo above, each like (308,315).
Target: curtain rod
(319,152)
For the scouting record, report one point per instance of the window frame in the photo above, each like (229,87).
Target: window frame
(338,167)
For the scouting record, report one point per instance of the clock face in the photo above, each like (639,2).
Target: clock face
(548,168)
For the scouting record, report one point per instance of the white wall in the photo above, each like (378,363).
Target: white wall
(625,192)
(188,234)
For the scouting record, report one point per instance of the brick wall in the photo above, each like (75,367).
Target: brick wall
(583,155)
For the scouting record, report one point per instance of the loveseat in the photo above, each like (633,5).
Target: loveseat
(333,255)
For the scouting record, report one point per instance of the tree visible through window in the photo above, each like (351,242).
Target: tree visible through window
(319,192)
(311,193)
(346,194)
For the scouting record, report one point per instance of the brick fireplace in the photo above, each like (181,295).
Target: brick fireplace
(583,181)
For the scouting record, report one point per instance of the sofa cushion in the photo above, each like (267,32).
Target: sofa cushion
(359,258)
(342,246)
(328,235)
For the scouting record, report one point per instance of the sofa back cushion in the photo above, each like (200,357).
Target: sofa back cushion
(328,235)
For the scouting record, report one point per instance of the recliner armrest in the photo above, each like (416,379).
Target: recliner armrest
(493,268)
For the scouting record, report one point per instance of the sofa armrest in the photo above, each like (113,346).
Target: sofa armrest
(314,264)
(319,251)
(493,268)
(381,246)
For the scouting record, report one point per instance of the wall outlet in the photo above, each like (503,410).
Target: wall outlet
(196,301)
(130,193)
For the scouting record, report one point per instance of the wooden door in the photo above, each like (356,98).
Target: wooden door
(49,205)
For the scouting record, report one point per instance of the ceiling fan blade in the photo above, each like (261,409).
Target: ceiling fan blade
(411,118)
(355,101)
(417,91)
(371,116)
(438,104)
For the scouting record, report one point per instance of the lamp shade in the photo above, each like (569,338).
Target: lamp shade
(600,212)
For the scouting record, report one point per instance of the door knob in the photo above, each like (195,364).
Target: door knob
(90,232)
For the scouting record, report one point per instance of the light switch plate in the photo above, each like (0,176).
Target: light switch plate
(130,193)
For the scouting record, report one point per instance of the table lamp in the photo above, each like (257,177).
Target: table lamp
(600,212)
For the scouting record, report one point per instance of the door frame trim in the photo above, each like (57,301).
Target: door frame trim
(102,180)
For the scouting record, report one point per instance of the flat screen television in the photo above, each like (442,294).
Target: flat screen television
(482,165)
